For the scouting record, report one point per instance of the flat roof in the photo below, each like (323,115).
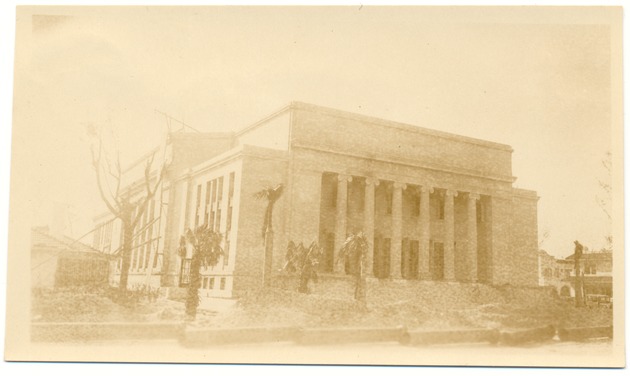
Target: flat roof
(374,120)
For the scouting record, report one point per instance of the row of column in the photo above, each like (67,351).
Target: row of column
(397,225)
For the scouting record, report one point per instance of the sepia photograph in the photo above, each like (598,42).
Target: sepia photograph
(338,185)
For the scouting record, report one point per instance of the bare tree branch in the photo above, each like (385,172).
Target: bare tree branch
(96,162)
(143,202)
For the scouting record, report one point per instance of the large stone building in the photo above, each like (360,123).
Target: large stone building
(437,206)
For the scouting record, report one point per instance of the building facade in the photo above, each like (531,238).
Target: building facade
(595,272)
(556,273)
(437,206)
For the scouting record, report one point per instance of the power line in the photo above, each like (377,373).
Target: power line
(170,119)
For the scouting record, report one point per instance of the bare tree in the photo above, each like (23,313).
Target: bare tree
(543,237)
(604,199)
(123,203)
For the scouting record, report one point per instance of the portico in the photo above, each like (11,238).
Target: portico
(416,230)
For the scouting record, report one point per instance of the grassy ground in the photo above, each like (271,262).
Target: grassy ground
(425,305)
(99,305)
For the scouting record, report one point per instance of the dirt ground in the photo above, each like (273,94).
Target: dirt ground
(454,306)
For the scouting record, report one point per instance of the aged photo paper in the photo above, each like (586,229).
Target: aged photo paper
(353,185)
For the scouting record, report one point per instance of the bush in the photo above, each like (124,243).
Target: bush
(134,295)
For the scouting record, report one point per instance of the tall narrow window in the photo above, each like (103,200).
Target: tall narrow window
(184,276)
(217,225)
(214,190)
(229,219)
(220,192)
(226,253)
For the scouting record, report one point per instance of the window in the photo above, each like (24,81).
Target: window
(388,199)
(218,221)
(211,224)
(333,194)
(226,253)
(208,188)
(205,283)
(222,286)
(211,283)
(220,193)
(214,190)
(184,276)
(229,219)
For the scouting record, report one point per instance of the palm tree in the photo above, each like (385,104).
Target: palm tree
(305,261)
(204,245)
(271,195)
(354,253)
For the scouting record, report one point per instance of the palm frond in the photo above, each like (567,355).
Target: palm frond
(354,249)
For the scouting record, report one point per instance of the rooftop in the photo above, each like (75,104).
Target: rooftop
(40,236)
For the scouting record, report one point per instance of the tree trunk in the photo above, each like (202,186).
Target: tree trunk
(192,298)
(359,291)
(126,256)
(305,274)
(268,267)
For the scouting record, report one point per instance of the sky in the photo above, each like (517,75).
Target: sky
(540,85)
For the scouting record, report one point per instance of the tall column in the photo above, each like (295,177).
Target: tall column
(368,222)
(449,235)
(341,218)
(396,245)
(425,232)
(472,235)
